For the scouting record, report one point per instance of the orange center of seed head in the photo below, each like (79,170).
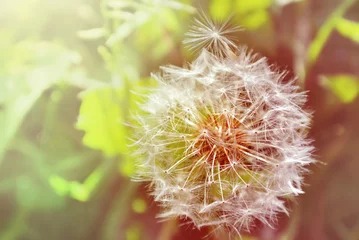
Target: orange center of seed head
(220,139)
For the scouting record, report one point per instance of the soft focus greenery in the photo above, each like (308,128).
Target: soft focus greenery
(72,72)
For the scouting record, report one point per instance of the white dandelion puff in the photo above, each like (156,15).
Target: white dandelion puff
(223,141)
(214,37)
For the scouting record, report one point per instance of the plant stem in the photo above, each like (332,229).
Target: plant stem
(119,211)
(324,32)
(169,229)
(16,226)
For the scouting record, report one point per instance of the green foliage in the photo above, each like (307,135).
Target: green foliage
(102,119)
(250,14)
(77,190)
(92,34)
(256,19)
(244,6)
(60,185)
(104,116)
(160,25)
(326,29)
(345,87)
(149,21)
(127,167)
(255,13)
(220,9)
(104,113)
(128,27)
(29,69)
(349,29)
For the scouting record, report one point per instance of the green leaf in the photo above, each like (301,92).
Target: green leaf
(183,5)
(325,30)
(60,185)
(92,34)
(155,37)
(253,14)
(255,20)
(101,118)
(138,96)
(127,167)
(220,9)
(349,29)
(128,27)
(345,87)
(95,178)
(245,6)
(77,190)
(101,115)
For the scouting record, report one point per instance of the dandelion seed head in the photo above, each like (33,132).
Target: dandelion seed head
(223,141)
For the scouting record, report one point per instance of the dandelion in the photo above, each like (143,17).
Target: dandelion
(223,141)
(207,34)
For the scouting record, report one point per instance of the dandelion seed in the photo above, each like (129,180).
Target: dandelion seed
(214,37)
(228,151)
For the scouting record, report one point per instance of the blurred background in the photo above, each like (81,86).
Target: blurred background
(68,70)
